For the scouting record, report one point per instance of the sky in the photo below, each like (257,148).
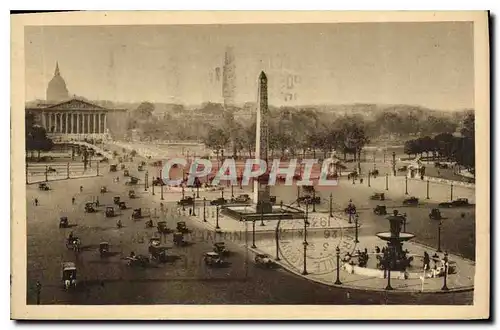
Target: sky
(428,64)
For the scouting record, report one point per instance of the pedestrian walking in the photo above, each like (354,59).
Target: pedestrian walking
(81,188)
(97,201)
(190,211)
(427,260)
(36,201)
(73,200)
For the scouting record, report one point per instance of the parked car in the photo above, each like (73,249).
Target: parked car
(264,260)
(219,201)
(186,201)
(245,198)
(411,201)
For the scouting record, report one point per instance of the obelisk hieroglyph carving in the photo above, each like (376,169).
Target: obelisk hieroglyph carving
(261,187)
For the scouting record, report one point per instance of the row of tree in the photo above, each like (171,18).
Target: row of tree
(36,139)
(447,146)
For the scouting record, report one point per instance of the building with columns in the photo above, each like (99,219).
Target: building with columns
(66,118)
(75,120)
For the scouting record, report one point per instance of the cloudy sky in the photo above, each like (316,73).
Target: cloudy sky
(428,64)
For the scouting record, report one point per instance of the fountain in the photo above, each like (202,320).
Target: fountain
(399,261)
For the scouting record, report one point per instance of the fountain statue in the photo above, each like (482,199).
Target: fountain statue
(399,260)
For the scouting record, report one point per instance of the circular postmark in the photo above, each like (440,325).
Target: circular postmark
(317,240)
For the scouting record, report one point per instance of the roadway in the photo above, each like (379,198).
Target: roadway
(183,280)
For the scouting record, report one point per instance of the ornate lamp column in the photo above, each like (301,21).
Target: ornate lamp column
(337,252)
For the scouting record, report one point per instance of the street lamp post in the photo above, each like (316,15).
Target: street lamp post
(404,222)
(337,252)
(222,193)
(161,184)
(277,232)
(445,259)
(146,181)
(451,192)
(356,219)
(153,186)
(262,216)
(232,190)
(331,205)
(439,237)
(204,209)
(217,217)
(353,182)
(182,188)
(46,173)
(427,189)
(304,272)
(253,233)
(386,181)
(406,185)
(198,190)
(369,179)
(194,204)
(313,200)
(388,267)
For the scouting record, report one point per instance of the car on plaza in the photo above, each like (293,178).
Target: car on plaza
(162,228)
(221,249)
(456,203)
(131,194)
(116,200)
(182,227)
(113,167)
(378,196)
(126,173)
(435,214)
(63,222)
(179,239)
(140,168)
(244,198)
(380,210)
(403,168)
(137,261)
(186,201)
(110,212)
(264,260)
(122,205)
(104,189)
(139,214)
(68,275)
(411,201)
(89,207)
(219,201)
(43,186)
(132,181)
(103,249)
(213,259)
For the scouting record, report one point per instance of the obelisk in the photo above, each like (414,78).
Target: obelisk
(261,187)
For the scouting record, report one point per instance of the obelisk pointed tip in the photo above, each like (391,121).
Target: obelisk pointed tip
(262,76)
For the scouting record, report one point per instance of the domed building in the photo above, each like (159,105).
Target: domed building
(57,90)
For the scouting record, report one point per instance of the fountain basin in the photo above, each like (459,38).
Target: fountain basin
(387,236)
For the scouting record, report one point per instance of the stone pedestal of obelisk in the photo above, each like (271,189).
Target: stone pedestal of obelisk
(261,196)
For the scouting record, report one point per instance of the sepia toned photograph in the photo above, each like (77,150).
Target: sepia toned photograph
(219,161)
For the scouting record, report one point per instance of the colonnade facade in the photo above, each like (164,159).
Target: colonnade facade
(74,122)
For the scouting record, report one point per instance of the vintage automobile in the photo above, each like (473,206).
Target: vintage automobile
(403,168)
(435,214)
(460,202)
(140,168)
(137,214)
(213,259)
(137,261)
(264,260)
(380,210)
(411,201)
(186,201)
(378,196)
(220,248)
(162,227)
(116,200)
(158,253)
(110,211)
(104,189)
(132,181)
(182,228)
(158,182)
(244,198)
(126,173)
(352,175)
(43,186)
(272,199)
(104,160)
(68,275)
(131,194)
(122,205)
(154,241)
(63,222)
(179,239)
(89,207)
(374,173)
(219,201)
(103,249)
(73,243)
(113,167)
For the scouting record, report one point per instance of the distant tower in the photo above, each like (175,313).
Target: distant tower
(228,78)
(56,89)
